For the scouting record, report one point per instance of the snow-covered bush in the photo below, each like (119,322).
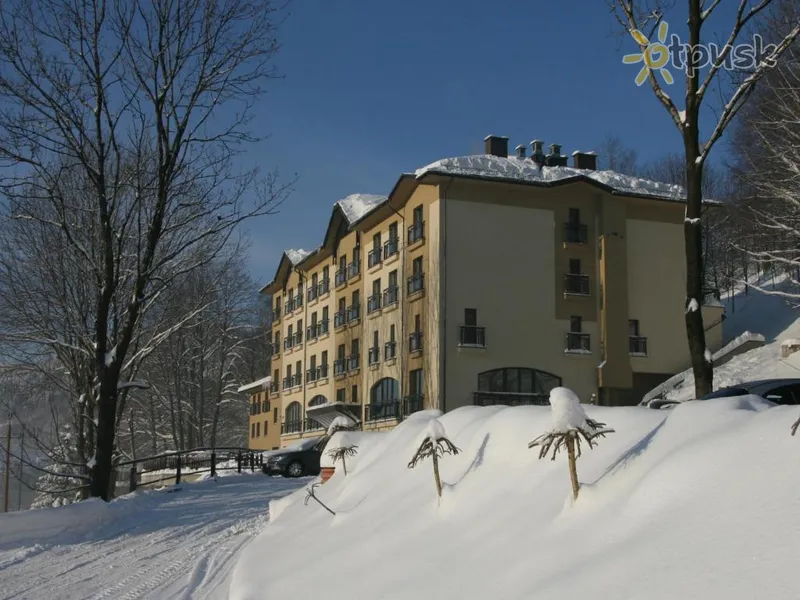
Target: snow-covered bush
(341,453)
(569,424)
(435,445)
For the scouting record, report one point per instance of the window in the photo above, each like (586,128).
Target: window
(258,429)
(417,266)
(274,415)
(265,428)
(417,323)
(313,364)
(575,325)
(340,352)
(633,327)
(391,333)
(298,369)
(393,231)
(375,339)
(355,298)
(294,413)
(356,252)
(325,273)
(376,286)
(343,262)
(574,217)
(354,347)
(289,332)
(341,395)
(415,386)
(417,218)
(252,430)
(342,304)
(384,391)
(393,279)
(314,280)
(354,394)
(517,380)
(376,241)
(324,314)
(318,400)
(288,371)
(324,358)
(575,266)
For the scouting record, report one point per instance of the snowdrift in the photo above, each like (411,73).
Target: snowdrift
(697,502)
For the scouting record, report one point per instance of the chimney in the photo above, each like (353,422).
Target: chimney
(584,160)
(537,154)
(520,151)
(555,159)
(496,145)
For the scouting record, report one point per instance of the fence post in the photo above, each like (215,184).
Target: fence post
(178,470)
(252,462)
(132,484)
(239,462)
(213,464)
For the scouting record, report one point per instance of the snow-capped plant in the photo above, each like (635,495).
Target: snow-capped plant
(311,494)
(435,445)
(569,425)
(341,453)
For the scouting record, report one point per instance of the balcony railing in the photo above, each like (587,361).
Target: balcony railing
(298,300)
(390,295)
(353,362)
(391,248)
(353,313)
(287,343)
(322,327)
(273,386)
(323,287)
(415,342)
(576,284)
(298,339)
(472,335)
(313,292)
(312,332)
(311,375)
(579,343)
(374,257)
(416,283)
(341,277)
(373,303)
(291,427)
(353,269)
(288,307)
(292,381)
(340,318)
(322,372)
(398,409)
(576,233)
(276,314)
(275,349)
(389,350)
(416,232)
(374,356)
(482,398)
(637,345)
(339,366)
(311,425)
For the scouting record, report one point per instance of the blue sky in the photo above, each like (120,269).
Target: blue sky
(374,89)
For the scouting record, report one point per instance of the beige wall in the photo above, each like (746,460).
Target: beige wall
(268,425)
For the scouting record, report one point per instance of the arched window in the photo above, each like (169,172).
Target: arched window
(294,412)
(317,400)
(515,385)
(385,391)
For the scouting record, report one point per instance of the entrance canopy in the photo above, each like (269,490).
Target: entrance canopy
(324,414)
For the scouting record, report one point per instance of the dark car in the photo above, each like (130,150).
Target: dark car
(779,391)
(296,460)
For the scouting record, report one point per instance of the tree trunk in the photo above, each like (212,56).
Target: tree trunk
(436,474)
(106,423)
(573,468)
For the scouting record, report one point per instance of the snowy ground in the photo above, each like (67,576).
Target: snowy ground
(697,502)
(153,544)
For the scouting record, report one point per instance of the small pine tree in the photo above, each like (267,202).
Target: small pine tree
(434,445)
(569,425)
(341,453)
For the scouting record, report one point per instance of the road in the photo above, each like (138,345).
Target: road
(159,544)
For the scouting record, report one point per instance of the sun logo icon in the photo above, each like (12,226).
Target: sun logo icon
(655,56)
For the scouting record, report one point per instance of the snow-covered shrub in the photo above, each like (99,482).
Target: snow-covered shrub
(569,424)
(435,445)
(341,453)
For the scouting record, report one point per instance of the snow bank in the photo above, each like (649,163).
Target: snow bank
(514,168)
(691,503)
(356,206)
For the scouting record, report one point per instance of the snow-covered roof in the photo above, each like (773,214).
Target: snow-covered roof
(525,170)
(297,256)
(356,206)
(260,383)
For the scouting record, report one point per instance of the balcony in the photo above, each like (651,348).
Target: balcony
(373,303)
(340,319)
(287,343)
(353,313)
(374,356)
(288,307)
(291,427)
(297,339)
(578,343)
(298,301)
(339,367)
(353,362)
(312,332)
(312,293)
(391,248)
(472,336)
(273,387)
(637,345)
(576,284)
(276,314)
(323,287)
(354,269)
(397,410)
(575,233)
(415,342)
(389,350)
(322,372)
(311,425)
(416,283)
(374,257)
(390,295)
(275,349)
(341,277)
(509,399)
(416,232)
(292,381)
(322,327)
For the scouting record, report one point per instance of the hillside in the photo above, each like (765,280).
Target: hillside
(689,503)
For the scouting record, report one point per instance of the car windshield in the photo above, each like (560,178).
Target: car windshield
(726,393)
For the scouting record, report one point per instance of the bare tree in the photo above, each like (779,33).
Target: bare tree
(644,20)
(120,127)
(615,155)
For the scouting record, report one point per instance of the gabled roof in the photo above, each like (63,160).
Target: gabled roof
(526,171)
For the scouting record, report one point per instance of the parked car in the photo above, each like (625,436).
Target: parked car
(296,460)
(779,391)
